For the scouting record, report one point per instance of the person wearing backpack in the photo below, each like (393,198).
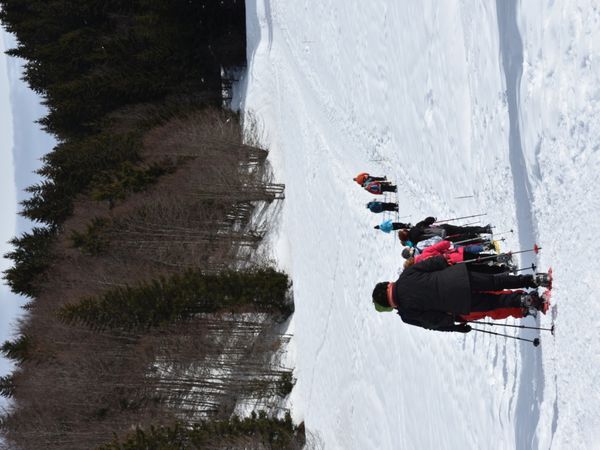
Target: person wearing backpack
(379,207)
(364,178)
(387,226)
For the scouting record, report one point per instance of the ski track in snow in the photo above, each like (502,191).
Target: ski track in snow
(449,99)
(531,385)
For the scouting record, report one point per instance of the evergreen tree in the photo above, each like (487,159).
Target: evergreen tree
(180,296)
(7,386)
(258,431)
(31,257)
(17,350)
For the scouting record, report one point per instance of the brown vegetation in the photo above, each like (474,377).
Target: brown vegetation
(75,386)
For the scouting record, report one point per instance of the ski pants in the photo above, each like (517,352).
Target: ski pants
(487,268)
(495,305)
(491,295)
(455,233)
(454,229)
(388,187)
(497,282)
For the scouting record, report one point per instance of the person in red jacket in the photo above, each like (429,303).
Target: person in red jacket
(453,255)
(379,187)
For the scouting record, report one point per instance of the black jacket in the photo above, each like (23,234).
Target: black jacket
(424,230)
(430,294)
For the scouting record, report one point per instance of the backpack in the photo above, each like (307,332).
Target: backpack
(375,207)
(374,187)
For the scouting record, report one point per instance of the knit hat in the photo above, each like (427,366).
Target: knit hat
(403,234)
(380,297)
(407,252)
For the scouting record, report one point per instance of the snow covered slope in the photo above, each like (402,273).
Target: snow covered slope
(449,99)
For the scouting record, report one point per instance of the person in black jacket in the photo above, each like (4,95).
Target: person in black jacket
(426,229)
(434,295)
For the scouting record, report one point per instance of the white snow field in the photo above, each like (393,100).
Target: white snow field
(498,101)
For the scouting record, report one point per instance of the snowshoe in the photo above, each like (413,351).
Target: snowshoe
(543,280)
(532,300)
(530,312)
(504,258)
(546,301)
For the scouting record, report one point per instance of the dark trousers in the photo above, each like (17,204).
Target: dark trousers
(487,268)
(455,233)
(486,301)
(488,282)
(400,226)
(389,206)
(453,229)
(485,287)
(388,187)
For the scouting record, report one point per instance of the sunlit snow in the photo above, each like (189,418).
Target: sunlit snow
(497,101)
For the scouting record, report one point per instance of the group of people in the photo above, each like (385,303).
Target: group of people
(453,275)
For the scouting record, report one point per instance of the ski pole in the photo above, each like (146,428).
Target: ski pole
(473,240)
(532,267)
(459,218)
(465,196)
(470,224)
(535,249)
(504,232)
(535,341)
(513,326)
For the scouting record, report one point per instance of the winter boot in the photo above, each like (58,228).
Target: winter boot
(532,300)
(504,258)
(489,246)
(530,312)
(542,280)
(488,228)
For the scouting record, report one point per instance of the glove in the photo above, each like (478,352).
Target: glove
(463,328)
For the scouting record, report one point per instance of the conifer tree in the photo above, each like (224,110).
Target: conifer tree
(31,257)
(259,431)
(179,297)
(17,350)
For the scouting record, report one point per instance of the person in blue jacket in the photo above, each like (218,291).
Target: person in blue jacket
(387,226)
(378,207)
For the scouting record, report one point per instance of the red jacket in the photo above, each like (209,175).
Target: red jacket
(374,187)
(442,248)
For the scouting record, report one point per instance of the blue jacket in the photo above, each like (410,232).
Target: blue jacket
(375,207)
(386,226)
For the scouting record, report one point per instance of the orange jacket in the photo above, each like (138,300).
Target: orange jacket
(361,178)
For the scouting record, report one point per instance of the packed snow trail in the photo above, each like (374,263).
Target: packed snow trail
(531,389)
(423,92)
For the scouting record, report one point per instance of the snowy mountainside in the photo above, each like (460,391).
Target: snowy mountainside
(448,99)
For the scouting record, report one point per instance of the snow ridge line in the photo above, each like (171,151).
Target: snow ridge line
(531,385)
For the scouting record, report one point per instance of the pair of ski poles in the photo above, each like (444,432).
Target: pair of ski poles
(535,342)
(535,249)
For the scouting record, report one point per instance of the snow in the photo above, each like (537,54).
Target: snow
(449,99)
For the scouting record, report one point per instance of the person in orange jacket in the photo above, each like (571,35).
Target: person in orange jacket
(374,185)
(364,178)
